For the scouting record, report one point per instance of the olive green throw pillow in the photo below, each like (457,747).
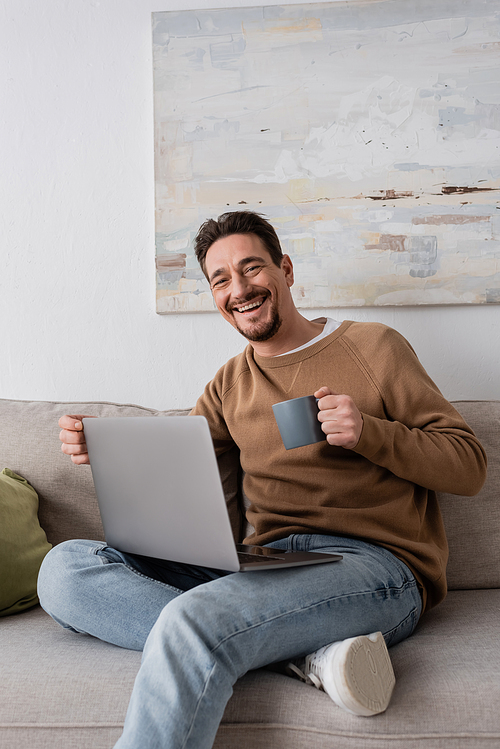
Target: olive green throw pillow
(23,543)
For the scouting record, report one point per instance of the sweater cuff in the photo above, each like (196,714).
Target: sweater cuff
(372,437)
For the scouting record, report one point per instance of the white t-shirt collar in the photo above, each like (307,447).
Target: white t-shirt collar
(329,327)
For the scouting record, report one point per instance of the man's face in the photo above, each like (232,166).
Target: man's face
(250,291)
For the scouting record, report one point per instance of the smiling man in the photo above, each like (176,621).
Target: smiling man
(250,279)
(367,492)
(247,287)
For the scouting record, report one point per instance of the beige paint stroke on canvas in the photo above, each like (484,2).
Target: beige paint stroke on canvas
(370,138)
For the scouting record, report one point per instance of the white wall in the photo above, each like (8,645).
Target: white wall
(77,313)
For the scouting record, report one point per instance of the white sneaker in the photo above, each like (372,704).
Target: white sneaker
(355,673)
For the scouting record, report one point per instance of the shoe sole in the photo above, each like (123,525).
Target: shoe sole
(363,675)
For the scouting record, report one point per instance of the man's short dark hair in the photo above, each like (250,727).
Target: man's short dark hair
(237,222)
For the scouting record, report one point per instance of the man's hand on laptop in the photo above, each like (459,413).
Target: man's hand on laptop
(340,418)
(73,438)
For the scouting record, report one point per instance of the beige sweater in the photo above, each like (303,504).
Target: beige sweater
(413,444)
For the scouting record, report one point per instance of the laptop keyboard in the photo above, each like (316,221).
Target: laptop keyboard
(242,557)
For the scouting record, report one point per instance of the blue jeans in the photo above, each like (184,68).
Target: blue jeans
(201,630)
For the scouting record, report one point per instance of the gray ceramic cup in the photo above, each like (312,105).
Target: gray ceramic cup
(298,421)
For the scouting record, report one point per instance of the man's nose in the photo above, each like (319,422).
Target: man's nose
(240,286)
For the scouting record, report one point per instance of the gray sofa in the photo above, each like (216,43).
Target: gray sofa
(58,689)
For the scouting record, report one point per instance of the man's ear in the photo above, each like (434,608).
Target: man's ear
(287,268)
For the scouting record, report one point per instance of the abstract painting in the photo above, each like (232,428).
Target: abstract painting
(367,132)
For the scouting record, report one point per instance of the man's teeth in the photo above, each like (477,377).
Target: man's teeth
(249,306)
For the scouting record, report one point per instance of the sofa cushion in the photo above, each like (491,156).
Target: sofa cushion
(473,523)
(63,689)
(446,688)
(23,544)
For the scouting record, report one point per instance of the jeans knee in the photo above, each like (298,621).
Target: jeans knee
(200,623)
(49,577)
(58,576)
(185,622)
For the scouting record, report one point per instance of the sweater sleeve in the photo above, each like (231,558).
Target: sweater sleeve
(209,405)
(423,439)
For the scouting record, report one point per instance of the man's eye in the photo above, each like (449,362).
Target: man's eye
(219,283)
(253,269)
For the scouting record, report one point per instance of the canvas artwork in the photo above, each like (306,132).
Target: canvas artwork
(367,132)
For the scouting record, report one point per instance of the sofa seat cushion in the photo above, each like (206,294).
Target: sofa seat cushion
(446,694)
(62,689)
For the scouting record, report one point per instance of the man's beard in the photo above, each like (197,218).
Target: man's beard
(262,331)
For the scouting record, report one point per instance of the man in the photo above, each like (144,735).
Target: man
(367,492)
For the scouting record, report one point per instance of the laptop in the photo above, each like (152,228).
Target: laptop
(160,495)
